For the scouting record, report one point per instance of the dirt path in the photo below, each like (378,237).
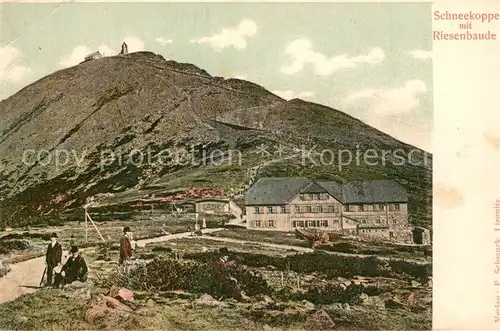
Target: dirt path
(24,277)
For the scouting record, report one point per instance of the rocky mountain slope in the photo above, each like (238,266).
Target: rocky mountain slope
(171,126)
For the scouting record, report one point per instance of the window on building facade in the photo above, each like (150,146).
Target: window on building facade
(316,196)
(306,196)
(396,206)
(323,196)
(317,209)
(368,207)
(377,221)
(285,209)
(352,208)
(258,224)
(298,224)
(307,209)
(311,224)
(381,207)
(272,210)
(257,210)
(363,221)
(328,209)
(324,223)
(271,224)
(297,209)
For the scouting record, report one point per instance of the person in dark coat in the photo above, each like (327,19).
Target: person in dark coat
(53,257)
(125,246)
(227,285)
(75,268)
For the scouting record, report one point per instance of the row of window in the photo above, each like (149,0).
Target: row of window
(378,221)
(213,206)
(376,207)
(314,196)
(295,224)
(324,209)
(298,209)
(311,223)
(265,224)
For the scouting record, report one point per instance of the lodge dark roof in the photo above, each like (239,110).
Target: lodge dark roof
(374,191)
(275,191)
(279,191)
(334,188)
(313,188)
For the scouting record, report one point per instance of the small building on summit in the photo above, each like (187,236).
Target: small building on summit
(93,56)
(124,49)
(374,208)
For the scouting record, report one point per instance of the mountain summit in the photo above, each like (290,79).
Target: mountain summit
(125,126)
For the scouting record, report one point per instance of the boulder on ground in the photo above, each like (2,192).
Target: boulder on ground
(320,320)
(206,300)
(372,301)
(121,293)
(78,285)
(146,311)
(337,305)
(20,319)
(107,308)
(79,294)
(308,304)
(265,298)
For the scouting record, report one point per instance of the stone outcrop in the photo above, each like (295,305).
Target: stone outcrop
(108,309)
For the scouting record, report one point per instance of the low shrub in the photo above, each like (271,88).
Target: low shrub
(168,274)
(422,272)
(324,294)
(7,246)
(161,249)
(330,265)
(26,235)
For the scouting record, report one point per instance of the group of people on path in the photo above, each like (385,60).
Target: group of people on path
(74,267)
(59,273)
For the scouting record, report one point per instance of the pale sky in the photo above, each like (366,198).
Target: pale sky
(372,61)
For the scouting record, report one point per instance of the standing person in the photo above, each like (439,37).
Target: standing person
(53,257)
(125,246)
(75,268)
(197,231)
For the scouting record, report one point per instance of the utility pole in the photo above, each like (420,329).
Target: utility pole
(152,218)
(1,213)
(86,226)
